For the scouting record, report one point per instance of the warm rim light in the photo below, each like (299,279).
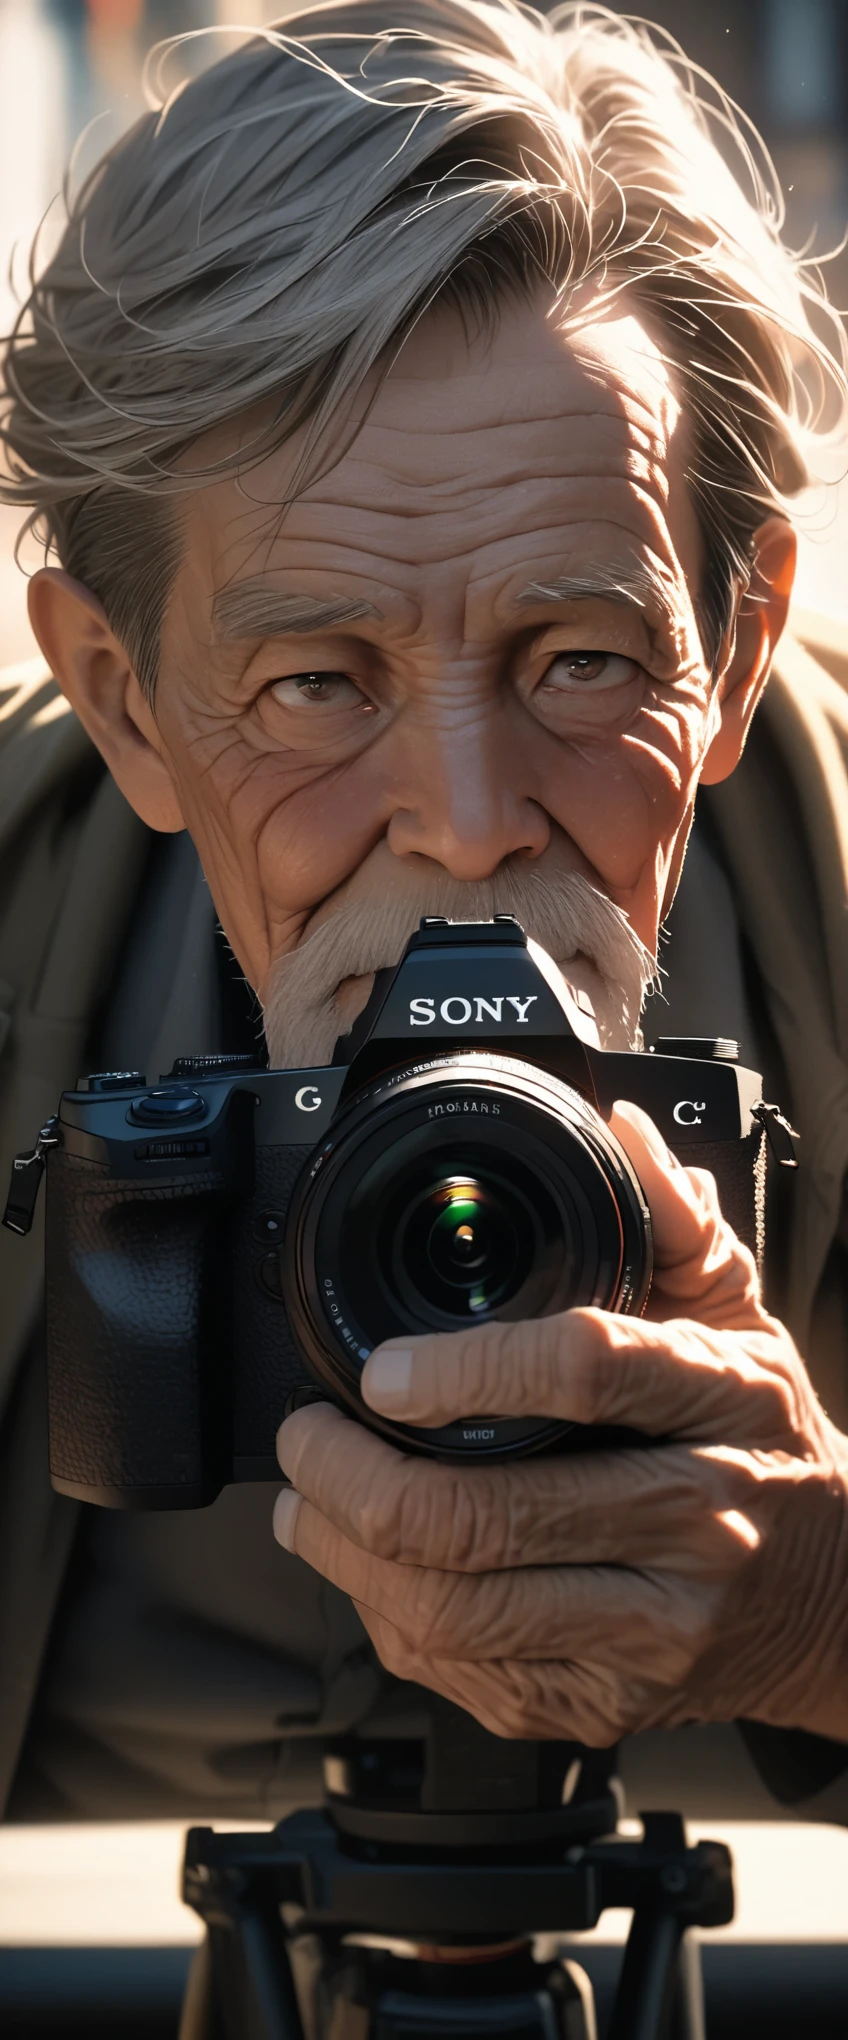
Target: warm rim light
(103,1885)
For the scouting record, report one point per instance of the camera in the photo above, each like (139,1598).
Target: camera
(226,1242)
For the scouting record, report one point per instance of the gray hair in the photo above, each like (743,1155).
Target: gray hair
(269,232)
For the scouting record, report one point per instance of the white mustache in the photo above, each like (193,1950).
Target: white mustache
(567,916)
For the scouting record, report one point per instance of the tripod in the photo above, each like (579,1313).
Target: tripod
(407,1907)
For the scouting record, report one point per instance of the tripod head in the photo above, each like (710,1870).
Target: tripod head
(459,1788)
(417,1891)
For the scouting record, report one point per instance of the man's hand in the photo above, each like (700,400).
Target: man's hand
(698,1578)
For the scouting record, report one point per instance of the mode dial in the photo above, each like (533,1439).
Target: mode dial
(699,1048)
(167,1107)
(213,1065)
(113,1080)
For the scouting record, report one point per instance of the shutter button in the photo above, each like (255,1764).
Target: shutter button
(171,1105)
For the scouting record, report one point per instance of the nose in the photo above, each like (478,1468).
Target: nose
(462,798)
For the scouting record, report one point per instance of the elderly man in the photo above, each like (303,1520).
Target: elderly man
(416,415)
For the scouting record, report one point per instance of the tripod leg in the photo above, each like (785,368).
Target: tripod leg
(689,2021)
(240,1984)
(252,1978)
(199,2017)
(579,2018)
(649,1978)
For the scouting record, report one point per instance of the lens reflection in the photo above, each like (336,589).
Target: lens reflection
(417,1219)
(460,1247)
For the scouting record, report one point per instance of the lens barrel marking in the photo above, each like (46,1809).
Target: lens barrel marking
(483,1106)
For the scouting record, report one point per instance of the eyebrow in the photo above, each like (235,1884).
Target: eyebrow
(253,609)
(633,583)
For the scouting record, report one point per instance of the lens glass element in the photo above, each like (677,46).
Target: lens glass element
(440,1230)
(460,1246)
(451,1193)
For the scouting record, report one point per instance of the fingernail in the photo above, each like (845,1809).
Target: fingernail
(387,1377)
(286,1512)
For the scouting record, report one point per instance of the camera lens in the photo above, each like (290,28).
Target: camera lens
(462,1242)
(470,1188)
(459,1247)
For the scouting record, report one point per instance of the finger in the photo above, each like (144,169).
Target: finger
(698,1260)
(677,1508)
(545,1700)
(677,1379)
(606,1612)
(357,1479)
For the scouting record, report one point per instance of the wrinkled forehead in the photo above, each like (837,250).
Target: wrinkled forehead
(615,364)
(466,438)
(599,384)
(606,363)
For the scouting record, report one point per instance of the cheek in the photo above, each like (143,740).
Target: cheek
(318,831)
(622,797)
(275,832)
(664,753)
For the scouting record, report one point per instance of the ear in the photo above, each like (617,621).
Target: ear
(95,673)
(760,621)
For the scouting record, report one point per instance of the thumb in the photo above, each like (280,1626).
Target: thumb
(545,1367)
(700,1267)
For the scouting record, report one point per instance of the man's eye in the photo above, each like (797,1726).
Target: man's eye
(570,671)
(319,690)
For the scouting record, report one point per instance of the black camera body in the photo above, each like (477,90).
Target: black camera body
(225,1242)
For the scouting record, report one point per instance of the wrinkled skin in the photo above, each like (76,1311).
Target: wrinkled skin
(605,1592)
(460,724)
(456,723)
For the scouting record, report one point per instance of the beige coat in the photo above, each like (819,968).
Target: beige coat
(71,857)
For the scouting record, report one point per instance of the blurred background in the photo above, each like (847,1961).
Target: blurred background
(72,68)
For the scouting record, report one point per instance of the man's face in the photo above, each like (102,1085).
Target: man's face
(466,704)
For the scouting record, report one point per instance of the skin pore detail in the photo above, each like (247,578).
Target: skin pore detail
(503,568)
(507,677)
(455,672)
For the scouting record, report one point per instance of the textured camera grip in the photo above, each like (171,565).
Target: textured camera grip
(266,1365)
(138,1334)
(739,1167)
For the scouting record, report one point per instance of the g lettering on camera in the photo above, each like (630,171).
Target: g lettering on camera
(210,1262)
